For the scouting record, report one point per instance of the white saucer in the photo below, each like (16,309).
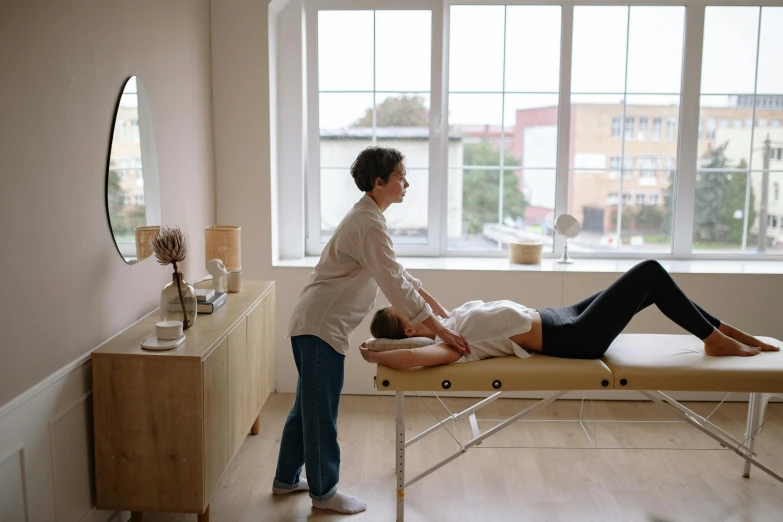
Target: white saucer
(153,343)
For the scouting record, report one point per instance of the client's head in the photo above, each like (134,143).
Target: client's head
(386,324)
(389,324)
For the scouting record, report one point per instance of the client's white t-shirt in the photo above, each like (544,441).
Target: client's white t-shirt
(488,326)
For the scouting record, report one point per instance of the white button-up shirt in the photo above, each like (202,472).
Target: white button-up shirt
(488,326)
(344,285)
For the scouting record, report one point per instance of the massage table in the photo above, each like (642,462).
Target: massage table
(647,363)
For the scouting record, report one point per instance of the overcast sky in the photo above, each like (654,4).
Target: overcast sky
(532,55)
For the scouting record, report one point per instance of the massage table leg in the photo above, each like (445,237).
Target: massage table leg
(757,403)
(399,407)
(695,420)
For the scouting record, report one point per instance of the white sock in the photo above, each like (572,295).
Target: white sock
(302,486)
(341,503)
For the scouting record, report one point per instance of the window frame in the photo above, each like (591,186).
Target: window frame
(687,125)
(313,244)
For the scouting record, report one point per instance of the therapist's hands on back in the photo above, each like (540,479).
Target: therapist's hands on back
(448,336)
(456,340)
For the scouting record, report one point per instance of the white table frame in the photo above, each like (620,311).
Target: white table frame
(742,448)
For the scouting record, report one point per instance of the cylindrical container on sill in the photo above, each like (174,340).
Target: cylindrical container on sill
(525,251)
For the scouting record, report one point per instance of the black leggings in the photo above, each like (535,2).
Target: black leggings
(586,330)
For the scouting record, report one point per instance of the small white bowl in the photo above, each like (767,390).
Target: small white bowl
(168,330)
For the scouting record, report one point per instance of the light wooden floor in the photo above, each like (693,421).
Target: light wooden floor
(692,479)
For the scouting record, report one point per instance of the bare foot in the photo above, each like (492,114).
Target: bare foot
(746,339)
(728,346)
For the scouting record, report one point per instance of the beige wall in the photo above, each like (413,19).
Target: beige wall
(65,287)
(240,93)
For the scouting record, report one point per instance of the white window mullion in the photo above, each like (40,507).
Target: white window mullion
(624,135)
(562,187)
(437,215)
(502,161)
(313,147)
(374,78)
(687,150)
(749,172)
(440,88)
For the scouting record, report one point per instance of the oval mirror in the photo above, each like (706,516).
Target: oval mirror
(132,181)
(567,226)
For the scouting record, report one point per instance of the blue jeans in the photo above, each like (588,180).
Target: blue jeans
(310,432)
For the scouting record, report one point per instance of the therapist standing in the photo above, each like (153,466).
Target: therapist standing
(358,259)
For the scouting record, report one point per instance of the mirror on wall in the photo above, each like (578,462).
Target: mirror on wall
(132,180)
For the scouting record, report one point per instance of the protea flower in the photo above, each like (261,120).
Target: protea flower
(168,245)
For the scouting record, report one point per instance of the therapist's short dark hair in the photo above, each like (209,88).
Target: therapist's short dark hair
(386,326)
(373,163)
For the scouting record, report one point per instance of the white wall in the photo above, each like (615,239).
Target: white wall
(287,68)
(66,289)
(240,97)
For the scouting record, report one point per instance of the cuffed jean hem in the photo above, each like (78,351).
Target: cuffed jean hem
(328,495)
(282,485)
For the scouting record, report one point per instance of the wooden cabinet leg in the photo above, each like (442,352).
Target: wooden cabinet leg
(136,516)
(256,429)
(204,517)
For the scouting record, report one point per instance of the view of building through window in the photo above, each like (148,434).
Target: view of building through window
(503,90)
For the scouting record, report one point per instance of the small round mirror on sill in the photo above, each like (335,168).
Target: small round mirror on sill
(567,226)
(132,179)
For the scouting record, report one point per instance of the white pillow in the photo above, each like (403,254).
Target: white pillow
(385,345)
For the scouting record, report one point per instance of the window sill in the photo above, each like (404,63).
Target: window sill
(497,264)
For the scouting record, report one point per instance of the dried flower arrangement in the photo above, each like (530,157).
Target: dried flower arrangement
(168,245)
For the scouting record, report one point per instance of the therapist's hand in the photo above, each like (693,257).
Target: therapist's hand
(456,340)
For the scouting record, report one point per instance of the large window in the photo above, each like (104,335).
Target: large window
(626,67)
(374,89)
(742,81)
(657,126)
(503,88)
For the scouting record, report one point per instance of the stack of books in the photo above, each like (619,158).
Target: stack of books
(203,294)
(211,303)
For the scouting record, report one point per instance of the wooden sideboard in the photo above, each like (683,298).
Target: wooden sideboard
(167,424)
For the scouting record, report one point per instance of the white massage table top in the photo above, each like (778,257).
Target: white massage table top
(633,362)
(678,363)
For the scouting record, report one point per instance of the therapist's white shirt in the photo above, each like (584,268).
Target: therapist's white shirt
(488,326)
(354,264)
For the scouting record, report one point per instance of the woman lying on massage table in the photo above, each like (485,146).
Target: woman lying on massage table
(584,330)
